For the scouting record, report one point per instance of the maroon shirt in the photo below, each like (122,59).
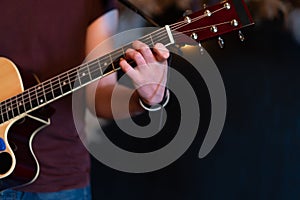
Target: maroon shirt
(48,38)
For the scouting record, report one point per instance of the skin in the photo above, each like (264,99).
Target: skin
(149,76)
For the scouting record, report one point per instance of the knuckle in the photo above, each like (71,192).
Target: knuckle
(137,56)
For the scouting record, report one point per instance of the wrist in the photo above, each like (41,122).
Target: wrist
(157,106)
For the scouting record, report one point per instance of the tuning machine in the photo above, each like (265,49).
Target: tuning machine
(241,36)
(201,49)
(221,42)
(187,12)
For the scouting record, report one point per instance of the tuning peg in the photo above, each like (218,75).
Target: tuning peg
(221,42)
(201,48)
(241,36)
(187,12)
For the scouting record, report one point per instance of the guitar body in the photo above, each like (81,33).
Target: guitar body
(18,164)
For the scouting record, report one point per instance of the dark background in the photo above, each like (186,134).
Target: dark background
(258,153)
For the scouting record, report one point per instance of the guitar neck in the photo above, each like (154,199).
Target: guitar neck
(227,16)
(74,79)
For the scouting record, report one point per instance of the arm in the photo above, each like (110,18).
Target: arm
(150,86)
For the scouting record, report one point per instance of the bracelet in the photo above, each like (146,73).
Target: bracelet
(158,106)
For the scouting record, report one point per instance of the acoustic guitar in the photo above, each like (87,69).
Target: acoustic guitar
(20,120)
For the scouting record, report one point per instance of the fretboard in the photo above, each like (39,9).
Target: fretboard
(74,79)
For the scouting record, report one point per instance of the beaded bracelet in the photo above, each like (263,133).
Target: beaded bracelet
(158,106)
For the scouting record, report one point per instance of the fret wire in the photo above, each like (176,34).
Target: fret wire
(89,72)
(30,100)
(17,103)
(71,87)
(10,108)
(78,77)
(47,91)
(51,88)
(85,74)
(43,90)
(99,63)
(113,66)
(59,84)
(2,112)
(151,39)
(7,110)
(34,97)
(2,115)
(37,90)
(24,106)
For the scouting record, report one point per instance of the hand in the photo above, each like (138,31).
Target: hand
(150,75)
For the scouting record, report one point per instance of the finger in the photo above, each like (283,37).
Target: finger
(162,53)
(144,50)
(136,56)
(127,68)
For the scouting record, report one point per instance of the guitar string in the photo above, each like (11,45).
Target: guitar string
(13,105)
(41,95)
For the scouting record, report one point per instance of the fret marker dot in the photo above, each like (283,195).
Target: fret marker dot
(41,100)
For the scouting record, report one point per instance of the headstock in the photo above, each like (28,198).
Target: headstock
(213,21)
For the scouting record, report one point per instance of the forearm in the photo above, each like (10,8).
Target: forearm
(113,101)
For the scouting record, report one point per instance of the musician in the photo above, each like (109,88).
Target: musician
(50,37)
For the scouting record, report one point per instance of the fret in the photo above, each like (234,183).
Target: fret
(2,112)
(89,71)
(41,99)
(77,81)
(33,98)
(48,92)
(144,40)
(119,53)
(11,107)
(59,85)
(70,80)
(105,61)
(151,39)
(94,70)
(51,87)
(112,63)
(72,77)
(1,118)
(83,75)
(15,106)
(9,110)
(56,89)
(65,84)
(100,67)
(5,111)
(123,52)
(20,103)
(26,101)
